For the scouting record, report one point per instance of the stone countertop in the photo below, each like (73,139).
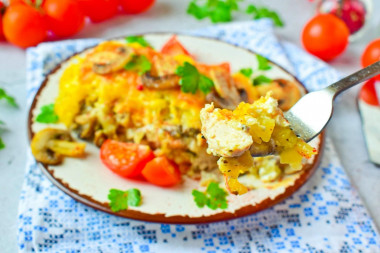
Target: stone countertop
(169,15)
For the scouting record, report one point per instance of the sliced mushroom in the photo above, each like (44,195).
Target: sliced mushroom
(225,103)
(51,145)
(160,82)
(106,62)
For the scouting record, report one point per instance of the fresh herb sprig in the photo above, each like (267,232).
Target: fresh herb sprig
(191,80)
(120,200)
(139,64)
(263,63)
(247,72)
(214,197)
(263,12)
(11,101)
(47,114)
(139,40)
(261,79)
(216,10)
(2,144)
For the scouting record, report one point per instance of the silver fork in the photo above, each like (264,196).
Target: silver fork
(313,111)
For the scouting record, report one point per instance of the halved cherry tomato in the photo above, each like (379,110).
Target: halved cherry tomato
(136,6)
(368,93)
(24,26)
(325,36)
(64,17)
(125,159)
(174,47)
(162,172)
(371,54)
(99,10)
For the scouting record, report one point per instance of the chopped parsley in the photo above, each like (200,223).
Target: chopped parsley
(246,72)
(11,101)
(191,80)
(139,40)
(47,114)
(216,10)
(263,62)
(214,197)
(2,144)
(139,63)
(261,79)
(120,200)
(263,12)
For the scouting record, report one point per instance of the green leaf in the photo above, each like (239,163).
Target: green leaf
(47,114)
(191,80)
(263,12)
(263,62)
(134,197)
(214,197)
(119,200)
(200,198)
(216,10)
(138,39)
(261,79)
(11,101)
(246,72)
(2,144)
(139,63)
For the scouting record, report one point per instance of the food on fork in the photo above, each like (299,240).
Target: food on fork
(250,130)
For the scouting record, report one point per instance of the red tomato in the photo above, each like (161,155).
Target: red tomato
(136,6)
(325,36)
(2,9)
(24,26)
(368,93)
(64,16)
(99,10)
(162,172)
(174,47)
(371,54)
(125,159)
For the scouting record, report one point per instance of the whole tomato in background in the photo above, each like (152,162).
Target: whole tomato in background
(99,10)
(2,10)
(24,26)
(64,17)
(371,55)
(368,93)
(325,36)
(136,6)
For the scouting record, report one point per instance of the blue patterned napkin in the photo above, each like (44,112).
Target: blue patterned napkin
(325,215)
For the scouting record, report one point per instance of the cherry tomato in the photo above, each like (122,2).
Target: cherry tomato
(325,36)
(2,10)
(125,159)
(162,172)
(24,26)
(174,47)
(64,17)
(371,54)
(136,6)
(99,10)
(368,93)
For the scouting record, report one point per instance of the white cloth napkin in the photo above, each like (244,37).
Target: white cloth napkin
(325,215)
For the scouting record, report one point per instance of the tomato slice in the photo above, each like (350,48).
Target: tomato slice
(125,159)
(174,47)
(368,93)
(162,172)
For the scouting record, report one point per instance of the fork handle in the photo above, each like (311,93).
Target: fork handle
(353,79)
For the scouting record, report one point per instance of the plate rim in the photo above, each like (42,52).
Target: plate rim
(308,170)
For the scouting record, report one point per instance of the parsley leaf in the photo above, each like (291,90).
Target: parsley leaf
(119,200)
(262,12)
(139,63)
(11,101)
(191,80)
(261,79)
(2,145)
(263,62)
(214,197)
(216,10)
(246,72)
(47,114)
(138,39)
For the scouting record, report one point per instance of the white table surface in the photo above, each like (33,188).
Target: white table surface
(169,15)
